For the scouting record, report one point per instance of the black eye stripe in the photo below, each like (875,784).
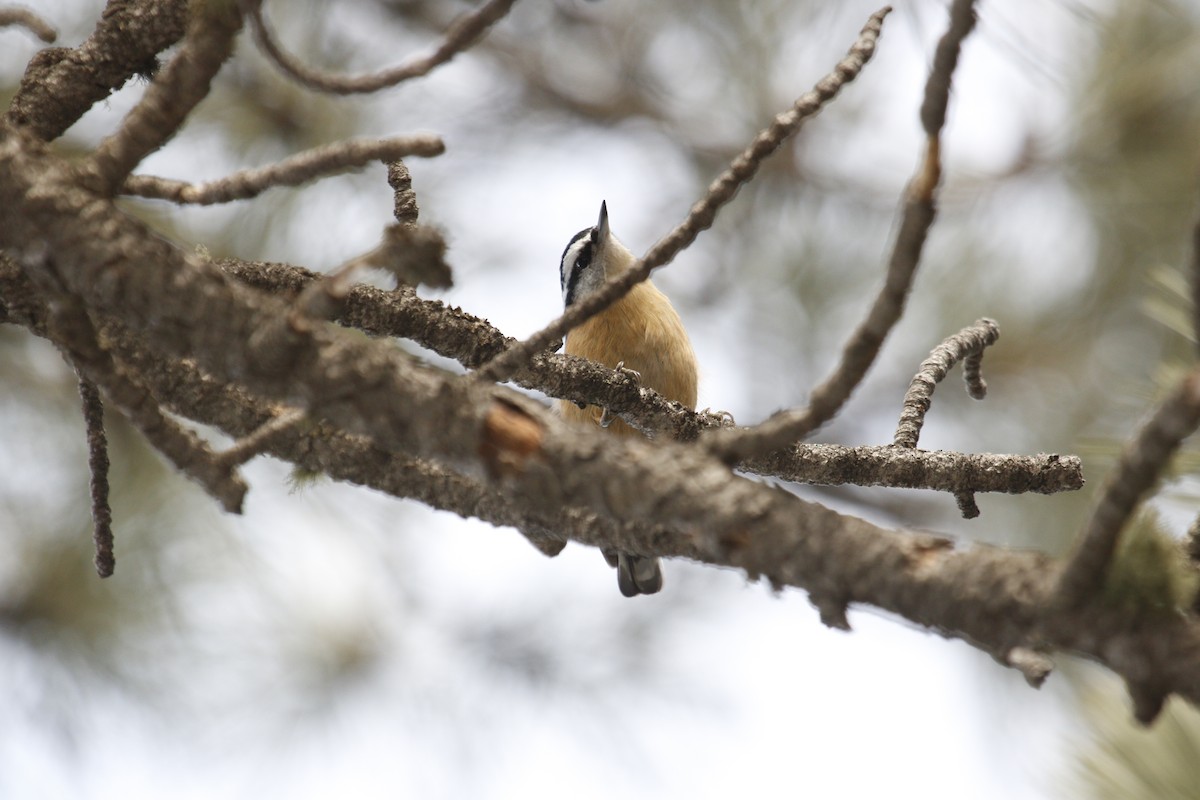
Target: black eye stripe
(575,259)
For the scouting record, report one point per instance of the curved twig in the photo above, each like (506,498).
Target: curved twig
(863,346)
(462,33)
(968,344)
(30,21)
(702,214)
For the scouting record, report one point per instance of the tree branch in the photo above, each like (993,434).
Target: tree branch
(1138,469)
(102,532)
(462,33)
(968,344)
(61,84)
(171,96)
(860,351)
(663,498)
(470,340)
(702,214)
(901,468)
(300,168)
(24,18)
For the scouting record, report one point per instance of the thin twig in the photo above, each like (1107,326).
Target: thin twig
(1195,276)
(968,344)
(262,438)
(171,96)
(292,171)
(415,254)
(102,532)
(864,344)
(461,34)
(73,331)
(1139,467)
(965,500)
(939,470)
(25,18)
(702,214)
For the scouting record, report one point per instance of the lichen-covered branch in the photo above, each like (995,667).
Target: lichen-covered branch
(665,497)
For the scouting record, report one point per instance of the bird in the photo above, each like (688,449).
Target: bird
(640,335)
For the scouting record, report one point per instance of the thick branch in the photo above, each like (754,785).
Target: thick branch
(60,85)
(666,498)
(702,214)
(470,340)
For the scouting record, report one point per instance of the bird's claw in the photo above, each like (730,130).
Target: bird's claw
(724,418)
(607,417)
(631,374)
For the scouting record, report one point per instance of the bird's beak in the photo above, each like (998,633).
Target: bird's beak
(602,223)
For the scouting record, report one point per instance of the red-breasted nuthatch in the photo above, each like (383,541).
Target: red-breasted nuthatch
(642,334)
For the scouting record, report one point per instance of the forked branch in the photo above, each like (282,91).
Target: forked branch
(171,96)
(702,214)
(860,351)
